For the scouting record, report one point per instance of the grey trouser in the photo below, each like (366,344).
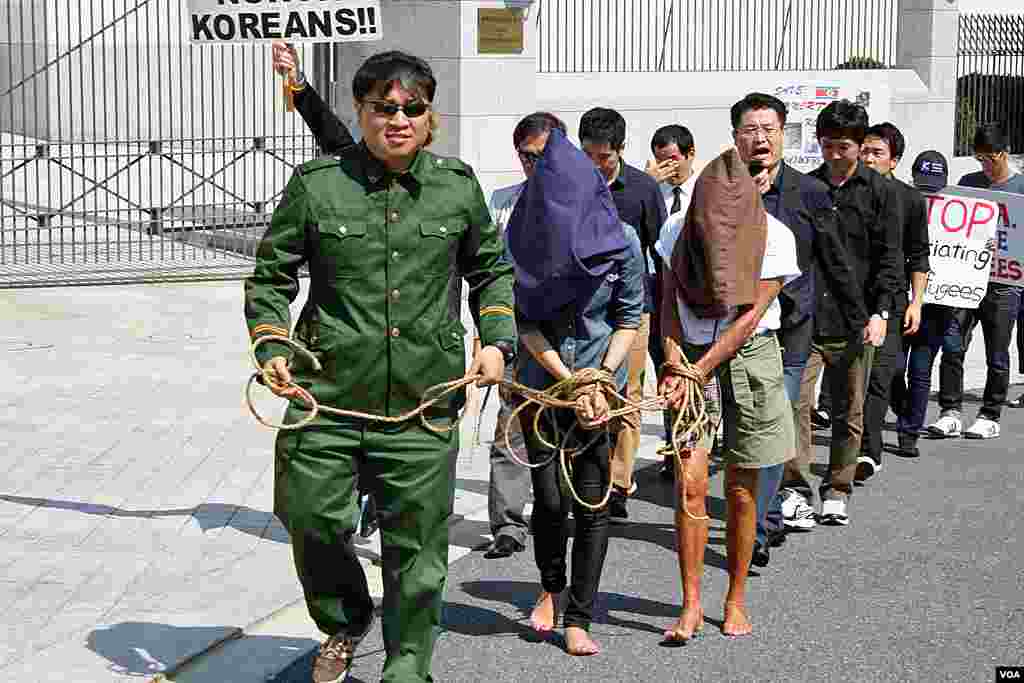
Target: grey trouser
(509,490)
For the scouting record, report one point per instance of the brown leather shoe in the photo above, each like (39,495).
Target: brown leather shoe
(334,659)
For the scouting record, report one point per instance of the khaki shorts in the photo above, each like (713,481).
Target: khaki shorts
(751,398)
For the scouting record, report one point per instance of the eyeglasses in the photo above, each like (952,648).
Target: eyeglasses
(529,158)
(752,131)
(412,110)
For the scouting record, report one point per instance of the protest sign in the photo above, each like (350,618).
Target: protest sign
(247,21)
(959,229)
(1008,265)
(804,100)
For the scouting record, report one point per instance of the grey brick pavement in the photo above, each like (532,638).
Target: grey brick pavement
(136,494)
(135,524)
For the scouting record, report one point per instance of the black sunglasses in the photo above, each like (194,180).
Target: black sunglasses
(528,157)
(412,110)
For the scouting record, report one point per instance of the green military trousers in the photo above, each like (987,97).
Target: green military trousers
(408,470)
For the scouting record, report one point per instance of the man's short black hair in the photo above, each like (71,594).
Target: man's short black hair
(843,119)
(990,138)
(535,124)
(379,71)
(757,100)
(891,135)
(673,134)
(602,126)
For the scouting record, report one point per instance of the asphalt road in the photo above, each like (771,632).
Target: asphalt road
(927,583)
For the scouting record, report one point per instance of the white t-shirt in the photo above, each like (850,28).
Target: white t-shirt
(780,261)
(673,225)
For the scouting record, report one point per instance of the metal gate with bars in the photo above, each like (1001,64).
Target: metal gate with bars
(127,154)
(990,78)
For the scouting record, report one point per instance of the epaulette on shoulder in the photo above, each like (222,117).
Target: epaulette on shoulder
(318,164)
(452,164)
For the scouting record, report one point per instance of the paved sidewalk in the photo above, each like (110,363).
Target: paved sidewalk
(135,523)
(136,496)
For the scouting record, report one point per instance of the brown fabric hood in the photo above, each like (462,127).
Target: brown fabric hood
(717,261)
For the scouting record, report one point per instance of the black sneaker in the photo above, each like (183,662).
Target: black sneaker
(907,446)
(776,537)
(761,556)
(867,467)
(503,546)
(617,512)
(820,419)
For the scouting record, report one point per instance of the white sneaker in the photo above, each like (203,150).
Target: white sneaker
(833,512)
(948,426)
(796,513)
(983,428)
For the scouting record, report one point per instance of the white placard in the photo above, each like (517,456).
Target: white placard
(254,21)
(804,100)
(1008,265)
(959,229)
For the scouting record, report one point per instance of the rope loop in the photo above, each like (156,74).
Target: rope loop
(690,426)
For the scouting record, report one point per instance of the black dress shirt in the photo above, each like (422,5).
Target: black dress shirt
(915,236)
(641,206)
(869,220)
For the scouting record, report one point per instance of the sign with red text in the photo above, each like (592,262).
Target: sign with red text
(804,100)
(1008,264)
(959,229)
(255,21)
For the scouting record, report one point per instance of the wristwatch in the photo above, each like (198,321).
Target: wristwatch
(884,315)
(508,350)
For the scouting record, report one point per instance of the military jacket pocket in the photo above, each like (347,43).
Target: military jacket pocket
(439,245)
(452,336)
(342,248)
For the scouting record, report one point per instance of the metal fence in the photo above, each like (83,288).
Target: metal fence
(129,155)
(990,78)
(715,35)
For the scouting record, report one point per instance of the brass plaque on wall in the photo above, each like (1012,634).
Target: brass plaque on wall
(500,31)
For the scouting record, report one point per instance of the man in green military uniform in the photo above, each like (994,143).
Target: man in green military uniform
(388,232)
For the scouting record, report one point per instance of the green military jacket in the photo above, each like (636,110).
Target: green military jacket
(386,255)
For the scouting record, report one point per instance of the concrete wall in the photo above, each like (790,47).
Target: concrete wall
(701,101)
(141,81)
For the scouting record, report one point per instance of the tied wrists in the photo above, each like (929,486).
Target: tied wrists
(684,371)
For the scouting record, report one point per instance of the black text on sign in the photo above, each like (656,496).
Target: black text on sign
(233,21)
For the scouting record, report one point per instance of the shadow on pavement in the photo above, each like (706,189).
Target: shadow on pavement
(207,515)
(474,620)
(139,648)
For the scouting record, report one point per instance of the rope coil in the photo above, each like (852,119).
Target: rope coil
(690,426)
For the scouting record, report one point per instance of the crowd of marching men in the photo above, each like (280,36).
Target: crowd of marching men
(746,283)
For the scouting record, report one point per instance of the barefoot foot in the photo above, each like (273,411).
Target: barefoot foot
(736,621)
(542,619)
(579,643)
(690,623)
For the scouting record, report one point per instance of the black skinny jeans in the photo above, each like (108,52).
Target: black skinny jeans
(997,313)
(551,506)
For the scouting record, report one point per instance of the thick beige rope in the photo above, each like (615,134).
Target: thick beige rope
(692,419)
(692,412)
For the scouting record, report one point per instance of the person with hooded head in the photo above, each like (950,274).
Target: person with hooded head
(721,311)
(579,294)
